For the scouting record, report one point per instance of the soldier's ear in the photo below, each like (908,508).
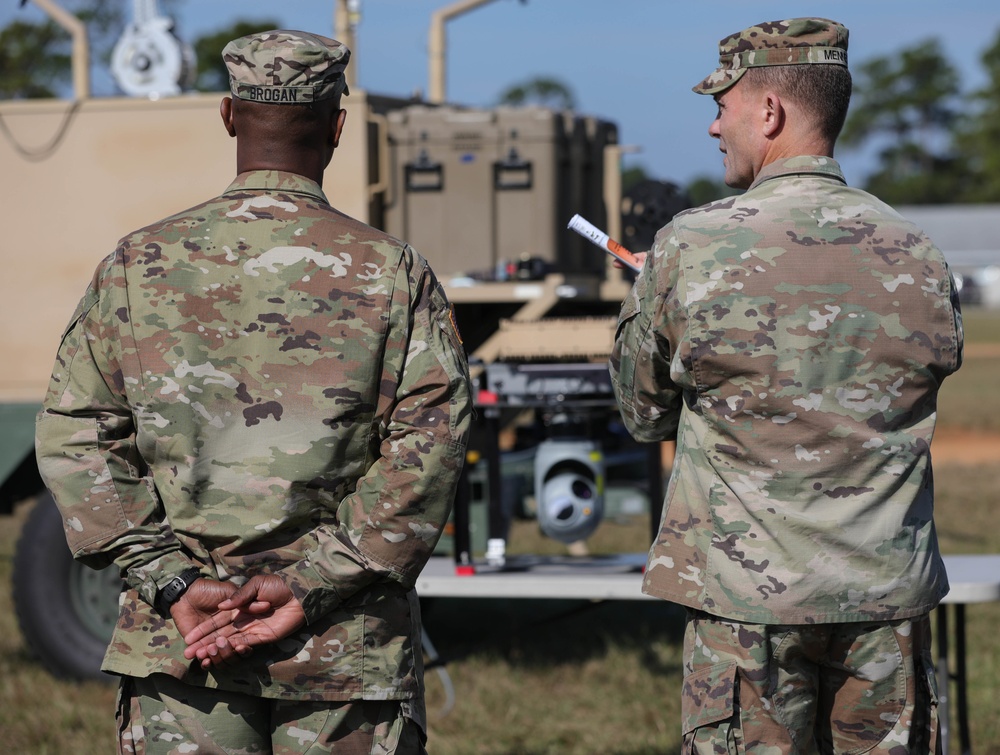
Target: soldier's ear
(226,111)
(338,127)
(772,113)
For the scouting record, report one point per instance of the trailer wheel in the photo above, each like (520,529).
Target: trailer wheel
(66,611)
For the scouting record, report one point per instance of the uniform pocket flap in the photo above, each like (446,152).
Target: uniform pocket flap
(708,696)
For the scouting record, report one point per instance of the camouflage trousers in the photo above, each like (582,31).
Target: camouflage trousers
(160,715)
(829,688)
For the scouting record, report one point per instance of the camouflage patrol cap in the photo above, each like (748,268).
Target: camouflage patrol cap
(796,41)
(286,67)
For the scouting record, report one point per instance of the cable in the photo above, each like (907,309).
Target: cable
(45,152)
(442,671)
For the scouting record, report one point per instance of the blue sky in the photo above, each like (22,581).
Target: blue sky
(631,61)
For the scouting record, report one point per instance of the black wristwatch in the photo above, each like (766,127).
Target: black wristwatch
(171,592)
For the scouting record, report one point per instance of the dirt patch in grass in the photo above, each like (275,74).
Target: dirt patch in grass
(954,445)
(981,350)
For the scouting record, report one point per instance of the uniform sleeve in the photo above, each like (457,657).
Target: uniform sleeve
(650,328)
(388,528)
(85,441)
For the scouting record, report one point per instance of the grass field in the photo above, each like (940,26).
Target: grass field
(540,678)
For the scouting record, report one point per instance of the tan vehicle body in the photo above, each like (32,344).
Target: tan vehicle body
(80,175)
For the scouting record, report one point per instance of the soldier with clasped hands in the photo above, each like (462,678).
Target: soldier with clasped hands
(259,414)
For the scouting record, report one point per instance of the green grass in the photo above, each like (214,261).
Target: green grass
(540,678)
(39,714)
(981,325)
(967,399)
(556,677)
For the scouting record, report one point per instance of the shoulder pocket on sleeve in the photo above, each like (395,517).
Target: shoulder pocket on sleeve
(451,351)
(70,461)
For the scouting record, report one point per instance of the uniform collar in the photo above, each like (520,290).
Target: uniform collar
(802,164)
(277,180)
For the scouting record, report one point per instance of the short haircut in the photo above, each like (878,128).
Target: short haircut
(295,124)
(824,91)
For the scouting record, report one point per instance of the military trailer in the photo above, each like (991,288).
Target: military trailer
(484,194)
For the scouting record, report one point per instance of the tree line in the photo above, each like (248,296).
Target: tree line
(936,144)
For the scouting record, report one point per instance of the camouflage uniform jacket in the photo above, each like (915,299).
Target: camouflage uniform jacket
(262,384)
(793,340)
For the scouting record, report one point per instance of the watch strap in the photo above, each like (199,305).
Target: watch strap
(171,592)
